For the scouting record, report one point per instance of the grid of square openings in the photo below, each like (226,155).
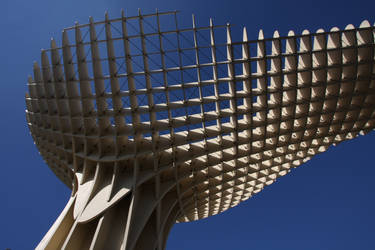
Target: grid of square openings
(155,75)
(144,72)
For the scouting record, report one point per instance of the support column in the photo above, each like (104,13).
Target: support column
(97,214)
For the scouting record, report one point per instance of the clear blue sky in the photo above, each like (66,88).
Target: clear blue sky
(328,203)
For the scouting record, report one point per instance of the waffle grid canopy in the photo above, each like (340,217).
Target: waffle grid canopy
(178,124)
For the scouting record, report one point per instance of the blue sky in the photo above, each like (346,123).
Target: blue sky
(327,203)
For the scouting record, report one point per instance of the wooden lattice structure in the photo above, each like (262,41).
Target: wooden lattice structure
(152,125)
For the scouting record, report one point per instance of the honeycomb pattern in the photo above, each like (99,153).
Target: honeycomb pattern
(218,119)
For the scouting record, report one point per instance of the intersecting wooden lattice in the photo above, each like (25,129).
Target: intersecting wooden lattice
(151,124)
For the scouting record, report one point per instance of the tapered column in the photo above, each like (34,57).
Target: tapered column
(105,213)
